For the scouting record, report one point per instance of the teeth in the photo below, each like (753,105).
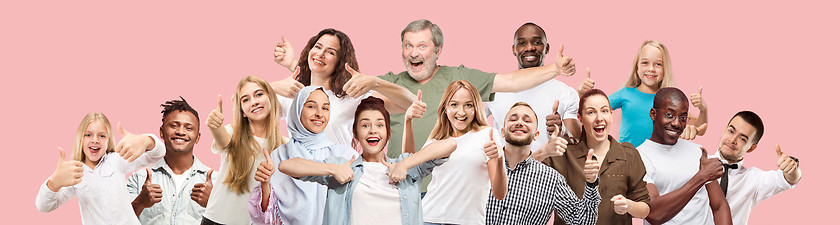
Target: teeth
(318,123)
(529,58)
(319,62)
(256,110)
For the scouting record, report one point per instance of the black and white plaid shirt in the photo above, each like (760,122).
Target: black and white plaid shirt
(534,190)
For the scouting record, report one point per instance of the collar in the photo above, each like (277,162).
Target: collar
(521,165)
(717,155)
(197,167)
(612,155)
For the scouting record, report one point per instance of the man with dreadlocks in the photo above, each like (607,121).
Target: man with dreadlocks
(176,189)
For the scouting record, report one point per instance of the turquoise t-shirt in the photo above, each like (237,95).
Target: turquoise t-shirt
(636,125)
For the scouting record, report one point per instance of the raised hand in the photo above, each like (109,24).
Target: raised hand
(710,169)
(591,167)
(201,191)
(556,146)
(288,87)
(787,164)
(554,120)
(132,146)
(216,119)
(587,84)
(691,131)
(266,169)
(359,84)
(67,172)
(343,173)
(620,204)
(149,194)
(565,64)
(697,100)
(417,108)
(490,148)
(396,172)
(284,54)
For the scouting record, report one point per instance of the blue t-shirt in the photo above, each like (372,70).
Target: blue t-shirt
(636,125)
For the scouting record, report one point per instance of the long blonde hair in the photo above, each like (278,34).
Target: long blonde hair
(667,81)
(78,152)
(243,148)
(443,128)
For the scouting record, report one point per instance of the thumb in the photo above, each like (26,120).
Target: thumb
(122,130)
(220,104)
(556,131)
(555,106)
(419,95)
(616,197)
(296,73)
(589,155)
(779,150)
(285,41)
(700,91)
(587,74)
(703,154)
(267,157)
(491,134)
(148,175)
(209,179)
(560,53)
(385,162)
(351,70)
(62,156)
(701,127)
(350,162)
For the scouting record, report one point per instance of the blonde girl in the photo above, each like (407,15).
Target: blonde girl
(255,127)
(96,173)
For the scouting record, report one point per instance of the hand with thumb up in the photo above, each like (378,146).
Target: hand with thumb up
(587,84)
(591,167)
(201,191)
(343,173)
(417,108)
(132,146)
(149,194)
(266,169)
(490,147)
(710,169)
(67,172)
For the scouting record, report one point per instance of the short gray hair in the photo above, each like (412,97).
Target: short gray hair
(421,24)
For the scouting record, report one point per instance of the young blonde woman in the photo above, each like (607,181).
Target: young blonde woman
(652,70)
(255,127)
(96,173)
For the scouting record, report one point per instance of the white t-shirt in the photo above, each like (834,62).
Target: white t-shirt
(749,186)
(669,167)
(541,98)
(180,179)
(342,112)
(460,187)
(375,200)
(226,206)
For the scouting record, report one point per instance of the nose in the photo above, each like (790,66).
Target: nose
(180,131)
(530,47)
(414,52)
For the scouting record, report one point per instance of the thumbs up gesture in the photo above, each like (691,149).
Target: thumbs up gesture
(417,108)
(359,84)
(620,204)
(201,191)
(149,194)
(591,167)
(692,131)
(787,164)
(216,119)
(288,87)
(266,169)
(556,146)
(564,64)
(554,120)
(587,84)
(710,169)
(67,172)
(284,54)
(396,172)
(132,146)
(697,100)
(490,148)
(343,173)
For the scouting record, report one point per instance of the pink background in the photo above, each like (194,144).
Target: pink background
(63,59)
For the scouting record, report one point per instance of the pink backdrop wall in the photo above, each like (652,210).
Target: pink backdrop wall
(62,59)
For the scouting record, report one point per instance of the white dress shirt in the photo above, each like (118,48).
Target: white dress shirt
(748,186)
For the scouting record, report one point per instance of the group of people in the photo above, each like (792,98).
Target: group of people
(352,155)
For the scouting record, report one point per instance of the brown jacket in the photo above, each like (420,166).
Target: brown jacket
(621,173)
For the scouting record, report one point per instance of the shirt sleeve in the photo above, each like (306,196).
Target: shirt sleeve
(482,81)
(617,99)
(47,200)
(424,169)
(571,109)
(573,210)
(770,183)
(134,185)
(637,187)
(148,158)
(390,77)
(258,216)
(327,180)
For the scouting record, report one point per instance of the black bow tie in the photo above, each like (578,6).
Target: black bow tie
(730,166)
